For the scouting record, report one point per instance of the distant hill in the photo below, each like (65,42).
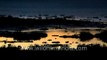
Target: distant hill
(10,22)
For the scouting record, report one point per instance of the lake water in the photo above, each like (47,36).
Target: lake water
(54,37)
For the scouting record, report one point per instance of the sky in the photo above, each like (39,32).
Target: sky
(54,7)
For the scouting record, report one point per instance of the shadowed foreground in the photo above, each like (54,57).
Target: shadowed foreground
(93,50)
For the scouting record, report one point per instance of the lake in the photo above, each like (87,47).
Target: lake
(66,36)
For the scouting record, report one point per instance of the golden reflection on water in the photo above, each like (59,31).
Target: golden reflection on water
(6,39)
(53,36)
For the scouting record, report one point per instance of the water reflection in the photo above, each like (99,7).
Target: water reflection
(71,37)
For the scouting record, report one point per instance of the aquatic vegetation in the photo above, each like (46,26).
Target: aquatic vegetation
(102,35)
(23,35)
(85,36)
